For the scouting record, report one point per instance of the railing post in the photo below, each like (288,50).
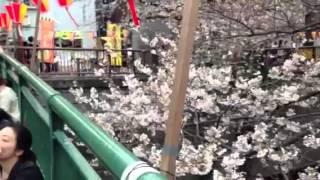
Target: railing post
(108,56)
(78,66)
(57,125)
(36,63)
(143,59)
(42,64)
(132,62)
(95,62)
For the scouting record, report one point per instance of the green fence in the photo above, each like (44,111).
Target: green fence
(45,112)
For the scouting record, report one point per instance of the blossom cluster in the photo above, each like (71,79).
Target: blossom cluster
(232,115)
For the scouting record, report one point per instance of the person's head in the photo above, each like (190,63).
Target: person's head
(15,142)
(30,39)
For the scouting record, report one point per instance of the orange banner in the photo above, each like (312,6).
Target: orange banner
(47,39)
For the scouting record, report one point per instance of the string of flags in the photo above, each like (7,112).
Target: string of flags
(16,12)
(44,6)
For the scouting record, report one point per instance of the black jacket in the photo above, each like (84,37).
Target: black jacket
(25,171)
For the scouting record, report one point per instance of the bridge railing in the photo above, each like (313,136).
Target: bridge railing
(79,61)
(46,113)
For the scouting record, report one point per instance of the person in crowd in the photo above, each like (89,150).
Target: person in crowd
(9,100)
(38,54)
(17,160)
(55,65)
(27,53)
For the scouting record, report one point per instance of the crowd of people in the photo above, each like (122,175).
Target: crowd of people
(17,160)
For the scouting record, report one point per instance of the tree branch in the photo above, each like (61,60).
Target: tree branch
(302,98)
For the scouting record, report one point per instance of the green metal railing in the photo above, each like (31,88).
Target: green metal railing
(45,112)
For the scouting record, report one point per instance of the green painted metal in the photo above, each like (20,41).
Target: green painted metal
(37,119)
(45,112)
(66,155)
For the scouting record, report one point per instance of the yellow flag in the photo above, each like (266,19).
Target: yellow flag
(23,12)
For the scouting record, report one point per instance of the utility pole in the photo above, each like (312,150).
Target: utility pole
(33,62)
(173,126)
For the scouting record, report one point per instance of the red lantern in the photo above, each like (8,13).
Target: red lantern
(134,13)
(9,11)
(44,7)
(4,21)
(65,2)
(19,12)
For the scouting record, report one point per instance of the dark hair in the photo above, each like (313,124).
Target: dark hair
(30,38)
(2,81)
(24,140)
(4,116)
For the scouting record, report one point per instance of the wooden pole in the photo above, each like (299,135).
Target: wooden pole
(20,43)
(171,146)
(33,63)
(19,52)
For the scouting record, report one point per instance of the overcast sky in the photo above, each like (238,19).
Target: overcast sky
(82,10)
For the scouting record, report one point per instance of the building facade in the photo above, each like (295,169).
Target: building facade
(83,11)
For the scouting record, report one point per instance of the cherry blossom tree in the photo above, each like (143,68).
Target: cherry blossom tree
(241,120)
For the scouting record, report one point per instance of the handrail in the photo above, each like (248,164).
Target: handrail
(121,162)
(75,49)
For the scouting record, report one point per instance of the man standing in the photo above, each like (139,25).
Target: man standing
(9,100)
